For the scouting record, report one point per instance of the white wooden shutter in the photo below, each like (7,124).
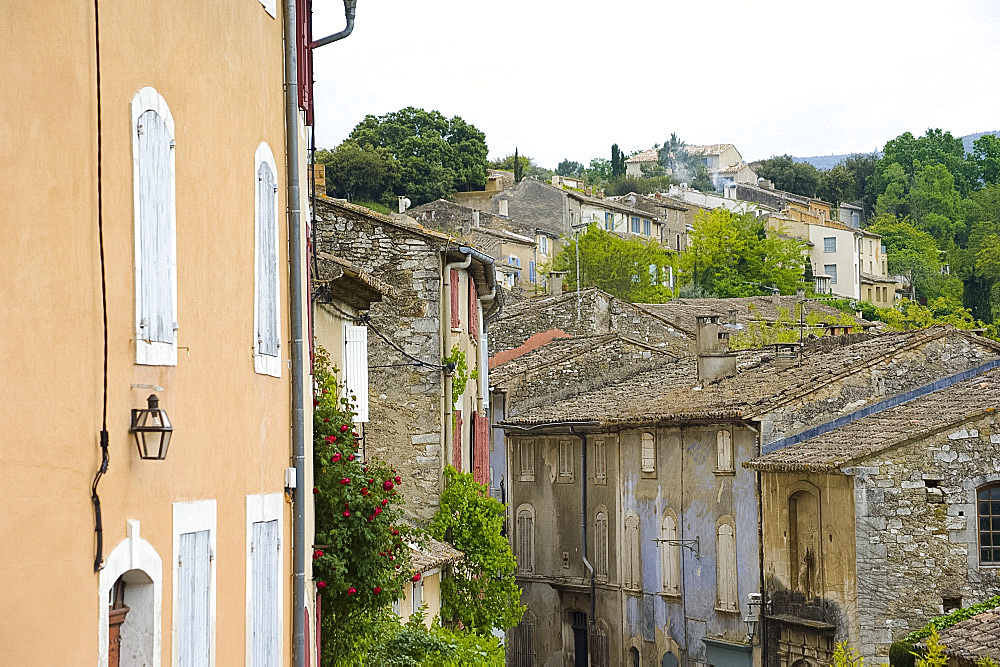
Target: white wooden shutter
(356,368)
(265,606)
(193,613)
(484,372)
(267,334)
(726,558)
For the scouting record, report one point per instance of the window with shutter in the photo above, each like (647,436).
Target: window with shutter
(724,451)
(456,317)
(155,230)
(726,568)
(565,460)
(267,328)
(194,577)
(600,462)
(473,309)
(264,579)
(601,546)
(526,451)
(356,369)
(670,555)
(630,566)
(648,453)
(525,539)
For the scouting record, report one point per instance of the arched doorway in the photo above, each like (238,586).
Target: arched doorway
(633,657)
(130,620)
(669,660)
(579,625)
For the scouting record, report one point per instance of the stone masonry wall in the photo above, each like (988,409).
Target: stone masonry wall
(916,533)
(405,401)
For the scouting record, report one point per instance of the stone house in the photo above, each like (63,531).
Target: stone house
(886,517)
(518,249)
(634,164)
(444,295)
(653,467)
(724,164)
(671,214)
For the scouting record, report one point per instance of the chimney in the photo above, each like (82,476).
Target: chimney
(404,204)
(800,294)
(555,179)
(786,355)
(466,226)
(475,217)
(714,359)
(588,191)
(732,315)
(319,178)
(503,207)
(555,282)
(776,298)
(600,193)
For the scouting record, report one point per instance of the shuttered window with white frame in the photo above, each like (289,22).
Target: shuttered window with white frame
(194,639)
(267,327)
(356,369)
(265,638)
(725,547)
(154,208)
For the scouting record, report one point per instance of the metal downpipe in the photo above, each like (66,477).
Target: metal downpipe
(583,524)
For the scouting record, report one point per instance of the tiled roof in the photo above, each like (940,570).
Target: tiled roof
(862,438)
(871,278)
(651,155)
(708,149)
(610,204)
(663,202)
(974,638)
(433,554)
(682,312)
(672,393)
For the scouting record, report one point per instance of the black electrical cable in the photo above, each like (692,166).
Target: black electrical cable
(98,526)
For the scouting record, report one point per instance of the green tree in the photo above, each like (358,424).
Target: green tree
(934,147)
(730,254)
(934,203)
(569,168)
(634,269)
(862,168)
(799,177)
(436,155)
(617,162)
(518,168)
(598,172)
(702,179)
(836,185)
(892,198)
(986,158)
(914,253)
(359,174)
(481,594)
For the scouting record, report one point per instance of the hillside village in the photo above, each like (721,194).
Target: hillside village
(391,407)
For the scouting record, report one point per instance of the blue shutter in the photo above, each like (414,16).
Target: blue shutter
(531,271)
(265,642)
(193,611)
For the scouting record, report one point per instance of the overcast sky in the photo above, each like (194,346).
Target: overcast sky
(566,79)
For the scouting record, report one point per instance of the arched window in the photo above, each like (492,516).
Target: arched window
(670,555)
(989,523)
(633,657)
(601,546)
(804,543)
(267,328)
(525,539)
(153,199)
(725,554)
(631,575)
(724,450)
(648,452)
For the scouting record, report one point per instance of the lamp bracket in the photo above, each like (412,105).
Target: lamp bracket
(694,546)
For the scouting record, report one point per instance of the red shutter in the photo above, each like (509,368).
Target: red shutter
(456,320)
(481,449)
(303,19)
(456,442)
(473,310)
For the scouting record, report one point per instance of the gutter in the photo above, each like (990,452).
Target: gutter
(583,526)
(296,272)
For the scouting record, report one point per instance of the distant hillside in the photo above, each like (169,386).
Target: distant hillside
(824,162)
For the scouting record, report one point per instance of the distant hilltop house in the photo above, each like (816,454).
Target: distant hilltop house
(724,163)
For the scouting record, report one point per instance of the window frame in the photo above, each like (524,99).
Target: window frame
(647,464)
(829,244)
(525,565)
(266,364)
(148,352)
(526,455)
(600,461)
(724,453)
(567,464)
(263,508)
(832,274)
(994,518)
(635,224)
(670,556)
(192,517)
(723,602)
(647,227)
(601,545)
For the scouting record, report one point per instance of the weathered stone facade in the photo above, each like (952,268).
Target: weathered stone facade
(407,387)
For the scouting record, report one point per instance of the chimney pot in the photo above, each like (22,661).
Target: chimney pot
(714,359)
(475,217)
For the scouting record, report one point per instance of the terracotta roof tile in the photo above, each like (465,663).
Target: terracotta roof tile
(433,554)
(974,638)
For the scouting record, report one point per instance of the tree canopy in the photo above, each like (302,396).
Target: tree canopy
(569,168)
(436,155)
(356,174)
(799,177)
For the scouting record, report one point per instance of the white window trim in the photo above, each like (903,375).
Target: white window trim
(191,517)
(265,364)
(132,553)
(260,508)
(153,353)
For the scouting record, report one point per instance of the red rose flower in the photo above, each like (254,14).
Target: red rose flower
(387,485)
(397,567)
(352,590)
(378,589)
(315,490)
(321,585)
(335,457)
(378,510)
(355,434)
(318,553)
(364,490)
(385,501)
(345,481)
(347,513)
(329,438)
(416,577)
(399,480)
(344,428)
(326,421)
(315,402)
(350,457)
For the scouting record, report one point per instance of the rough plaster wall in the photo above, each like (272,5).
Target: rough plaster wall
(907,370)
(915,546)
(535,205)
(404,402)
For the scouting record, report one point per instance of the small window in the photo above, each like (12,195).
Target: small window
(525,539)
(609,221)
(543,244)
(526,449)
(670,555)
(830,244)
(950,604)
(356,370)
(724,451)
(831,270)
(635,224)
(532,278)
(647,227)
(631,574)
(648,453)
(267,330)
(601,546)
(503,207)
(417,597)
(670,277)
(154,204)
(678,242)
(725,548)
(654,274)
(565,460)
(600,462)
(989,524)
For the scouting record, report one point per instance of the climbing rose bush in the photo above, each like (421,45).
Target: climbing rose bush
(361,560)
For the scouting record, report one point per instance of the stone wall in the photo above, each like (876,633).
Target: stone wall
(405,400)
(535,205)
(917,540)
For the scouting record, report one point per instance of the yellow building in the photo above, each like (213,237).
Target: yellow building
(150,259)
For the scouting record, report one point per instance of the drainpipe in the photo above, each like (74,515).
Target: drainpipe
(296,267)
(583,523)
(449,400)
